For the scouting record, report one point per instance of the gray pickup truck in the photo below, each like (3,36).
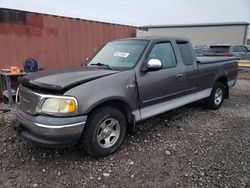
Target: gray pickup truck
(126,81)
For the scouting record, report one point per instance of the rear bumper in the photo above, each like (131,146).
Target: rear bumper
(49,131)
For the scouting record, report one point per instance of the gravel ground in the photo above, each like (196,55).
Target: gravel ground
(187,147)
(244,74)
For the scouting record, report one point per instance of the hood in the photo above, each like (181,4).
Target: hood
(59,80)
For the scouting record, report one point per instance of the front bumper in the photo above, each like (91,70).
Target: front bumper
(49,131)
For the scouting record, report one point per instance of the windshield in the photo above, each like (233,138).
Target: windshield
(218,49)
(119,54)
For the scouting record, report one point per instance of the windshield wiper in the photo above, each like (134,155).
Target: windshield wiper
(102,65)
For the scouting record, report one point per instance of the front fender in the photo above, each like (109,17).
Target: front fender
(120,86)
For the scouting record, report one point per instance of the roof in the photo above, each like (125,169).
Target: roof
(151,38)
(5,11)
(197,25)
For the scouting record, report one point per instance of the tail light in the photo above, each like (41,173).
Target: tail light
(227,54)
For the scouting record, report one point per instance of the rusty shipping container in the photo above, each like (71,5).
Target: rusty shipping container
(56,42)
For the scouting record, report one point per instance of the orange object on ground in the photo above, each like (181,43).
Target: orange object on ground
(14,69)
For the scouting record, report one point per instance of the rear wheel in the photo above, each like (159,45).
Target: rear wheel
(104,132)
(215,100)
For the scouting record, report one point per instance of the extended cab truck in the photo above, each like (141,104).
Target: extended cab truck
(126,81)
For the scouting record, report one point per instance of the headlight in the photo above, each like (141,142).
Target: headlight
(59,105)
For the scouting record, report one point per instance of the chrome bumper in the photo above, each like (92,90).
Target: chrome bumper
(52,130)
(49,131)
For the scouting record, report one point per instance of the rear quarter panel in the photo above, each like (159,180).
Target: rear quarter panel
(214,68)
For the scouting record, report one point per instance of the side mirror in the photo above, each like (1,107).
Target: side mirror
(154,65)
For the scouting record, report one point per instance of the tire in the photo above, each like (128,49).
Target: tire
(105,131)
(215,100)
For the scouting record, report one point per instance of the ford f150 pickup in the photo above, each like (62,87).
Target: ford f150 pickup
(126,81)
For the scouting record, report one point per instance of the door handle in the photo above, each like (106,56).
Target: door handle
(179,76)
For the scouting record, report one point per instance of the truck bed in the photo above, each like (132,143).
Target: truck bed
(206,59)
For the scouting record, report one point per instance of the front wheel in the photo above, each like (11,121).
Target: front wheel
(104,132)
(215,100)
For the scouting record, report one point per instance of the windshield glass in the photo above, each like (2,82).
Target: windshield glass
(218,49)
(119,54)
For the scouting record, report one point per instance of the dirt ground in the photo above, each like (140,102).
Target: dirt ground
(187,147)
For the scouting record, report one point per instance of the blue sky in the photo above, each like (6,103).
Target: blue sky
(141,12)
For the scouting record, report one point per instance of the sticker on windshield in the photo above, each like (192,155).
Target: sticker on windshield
(121,54)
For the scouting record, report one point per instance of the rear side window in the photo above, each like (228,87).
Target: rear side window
(236,49)
(239,49)
(186,53)
(165,53)
(244,49)
(218,49)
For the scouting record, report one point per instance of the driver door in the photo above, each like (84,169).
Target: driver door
(166,84)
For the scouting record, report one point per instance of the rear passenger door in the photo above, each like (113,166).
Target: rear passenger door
(191,69)
(237,52)
(243,52)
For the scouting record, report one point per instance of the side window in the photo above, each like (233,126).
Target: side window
(186,53)
(244,49)
(240,49)
(236,49)
(165,53)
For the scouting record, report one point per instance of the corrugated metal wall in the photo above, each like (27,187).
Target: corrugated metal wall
(201,34)
(205,35)
(55,42)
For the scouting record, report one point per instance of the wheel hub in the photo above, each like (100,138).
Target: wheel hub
(108,133)
(218,96)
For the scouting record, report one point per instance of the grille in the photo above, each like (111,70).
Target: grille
(27,100)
